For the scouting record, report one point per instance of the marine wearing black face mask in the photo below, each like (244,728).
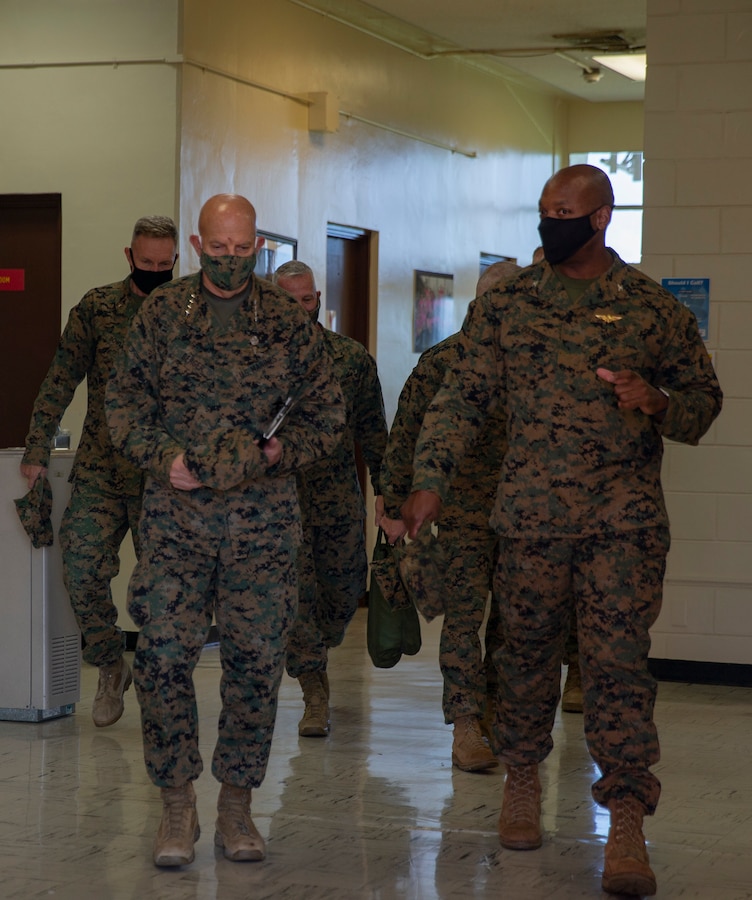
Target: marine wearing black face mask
(562,238)
(145,279)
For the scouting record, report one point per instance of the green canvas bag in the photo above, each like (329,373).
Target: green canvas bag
(393,626)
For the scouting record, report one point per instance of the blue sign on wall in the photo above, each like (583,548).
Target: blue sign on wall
(694,293)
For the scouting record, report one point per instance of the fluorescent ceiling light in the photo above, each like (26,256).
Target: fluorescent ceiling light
(631,65)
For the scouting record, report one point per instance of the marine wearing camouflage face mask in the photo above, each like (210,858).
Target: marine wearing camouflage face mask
(221,523)
(229,273)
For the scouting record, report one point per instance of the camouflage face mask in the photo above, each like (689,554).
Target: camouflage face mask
(313,314)
(228,273)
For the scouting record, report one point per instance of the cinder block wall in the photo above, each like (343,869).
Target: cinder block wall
(698,223)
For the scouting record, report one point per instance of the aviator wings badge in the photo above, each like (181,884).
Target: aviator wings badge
(608,318)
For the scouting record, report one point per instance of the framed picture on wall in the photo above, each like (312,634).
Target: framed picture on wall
(488,259)
(433,309)
(277,249)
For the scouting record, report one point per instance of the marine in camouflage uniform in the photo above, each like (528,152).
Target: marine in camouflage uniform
(332,562)
(105,498)
(203,373)
(469,547)
(580,366)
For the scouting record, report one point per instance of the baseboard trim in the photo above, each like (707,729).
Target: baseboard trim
(684,670)
(693,672)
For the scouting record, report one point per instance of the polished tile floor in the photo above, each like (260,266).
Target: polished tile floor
(375,811)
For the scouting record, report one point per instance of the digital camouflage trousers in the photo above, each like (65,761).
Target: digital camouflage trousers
(332,573)
(615,582)
(172,597)
(94,525)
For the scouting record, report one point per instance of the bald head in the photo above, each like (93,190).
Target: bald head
(589,183)
(226,227)
(225,210)
(575,211)
(495,275)
(227,243)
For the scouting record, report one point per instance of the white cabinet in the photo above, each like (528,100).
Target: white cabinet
(40,644)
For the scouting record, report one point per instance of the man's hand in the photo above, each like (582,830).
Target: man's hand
(31,473)
(180,477)
(633,392)
(272,450)
(420,507)
(394,529)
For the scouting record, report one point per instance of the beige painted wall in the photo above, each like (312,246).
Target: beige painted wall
(619,125)
(104,136)
(433,209)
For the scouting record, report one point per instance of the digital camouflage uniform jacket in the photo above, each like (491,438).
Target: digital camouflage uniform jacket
(470,499)
(88,348)
(576,464)
(186,385)
(329,491)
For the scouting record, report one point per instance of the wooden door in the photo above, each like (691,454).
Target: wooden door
(348,281)
(348,301)
(30,293)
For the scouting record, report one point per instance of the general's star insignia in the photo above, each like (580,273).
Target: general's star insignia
(608,318)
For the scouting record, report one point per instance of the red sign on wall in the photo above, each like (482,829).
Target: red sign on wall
(12,279)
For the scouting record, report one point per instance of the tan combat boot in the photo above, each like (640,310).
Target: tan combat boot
(626,868)
(470,752)
(108,704)
(178,830)
(315,721)
(235,831)
(519,822)
(571,699)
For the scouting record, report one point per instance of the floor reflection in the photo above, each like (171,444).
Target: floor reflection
(375,811)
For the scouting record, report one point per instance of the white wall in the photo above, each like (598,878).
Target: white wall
(698,222)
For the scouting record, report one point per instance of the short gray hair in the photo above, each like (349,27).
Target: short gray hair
(155,227)
(292,269)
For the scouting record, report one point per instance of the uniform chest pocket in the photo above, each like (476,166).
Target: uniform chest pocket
(187,378)
(530,349)
(604,340)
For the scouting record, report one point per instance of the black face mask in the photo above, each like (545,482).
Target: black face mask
(146,280)
(562,238)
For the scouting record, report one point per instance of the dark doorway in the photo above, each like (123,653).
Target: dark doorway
(30,265)
(348,302)
(348,280)
(348,297)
